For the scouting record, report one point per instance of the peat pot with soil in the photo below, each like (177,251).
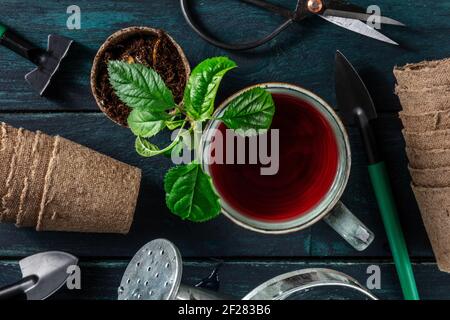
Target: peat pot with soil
(150,47)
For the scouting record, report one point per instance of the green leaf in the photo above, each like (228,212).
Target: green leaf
(174,124)
(145,148)
(144,123)
(189,193)
(254,109)
(202,87)
(139,87)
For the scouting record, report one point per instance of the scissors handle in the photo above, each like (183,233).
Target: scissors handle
(271,7)
(229,46)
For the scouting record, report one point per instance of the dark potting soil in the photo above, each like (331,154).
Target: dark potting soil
(156,52)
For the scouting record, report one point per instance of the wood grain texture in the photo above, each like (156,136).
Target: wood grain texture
(220,237)
(304,54)
(100,280)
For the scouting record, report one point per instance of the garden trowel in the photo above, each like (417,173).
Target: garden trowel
(47,61)
(357,108)
(42,275)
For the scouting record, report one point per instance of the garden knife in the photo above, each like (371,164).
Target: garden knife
(42,275)
(356,106)
(47,61)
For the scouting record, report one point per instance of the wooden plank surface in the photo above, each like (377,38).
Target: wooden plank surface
(218,238)
(304,54)
(100,279)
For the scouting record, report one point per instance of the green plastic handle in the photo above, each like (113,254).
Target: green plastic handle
(2,30)
(386,203)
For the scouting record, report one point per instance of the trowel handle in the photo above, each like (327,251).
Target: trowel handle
(19,45)
(17,290)
(389,215)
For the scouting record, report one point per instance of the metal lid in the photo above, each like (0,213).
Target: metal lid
(154,273)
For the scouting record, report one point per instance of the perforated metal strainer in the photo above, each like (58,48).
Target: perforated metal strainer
(155,273)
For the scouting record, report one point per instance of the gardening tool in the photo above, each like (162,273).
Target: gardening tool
(344,15)
(307,283)
(155,272)
(47,61)
(356,106)
(43,274)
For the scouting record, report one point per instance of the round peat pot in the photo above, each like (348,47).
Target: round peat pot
(313,159)
(153,48)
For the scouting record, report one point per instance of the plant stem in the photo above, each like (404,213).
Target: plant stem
(196,126)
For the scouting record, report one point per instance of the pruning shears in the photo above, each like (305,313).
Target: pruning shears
(348,16)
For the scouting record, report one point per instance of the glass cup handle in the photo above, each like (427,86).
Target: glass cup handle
(349,227)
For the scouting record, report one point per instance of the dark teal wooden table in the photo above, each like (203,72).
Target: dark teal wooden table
(303,55)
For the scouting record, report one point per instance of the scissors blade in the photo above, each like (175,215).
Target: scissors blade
(360,16)
(358,27)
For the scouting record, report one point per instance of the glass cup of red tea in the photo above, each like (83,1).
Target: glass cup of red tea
(310,174)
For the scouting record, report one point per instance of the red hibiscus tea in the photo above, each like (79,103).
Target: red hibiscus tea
(307,168)
(313,159)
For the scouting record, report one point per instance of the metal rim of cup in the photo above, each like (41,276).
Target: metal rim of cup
(333,195)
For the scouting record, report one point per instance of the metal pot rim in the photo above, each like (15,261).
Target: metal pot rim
(284,285)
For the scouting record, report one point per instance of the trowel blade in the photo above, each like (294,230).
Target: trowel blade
(39,80)
(50,269)
(58,46)
(57,49)
(351,92)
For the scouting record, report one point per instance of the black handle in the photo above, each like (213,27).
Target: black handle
(17,290)
(230,46)
(21,46)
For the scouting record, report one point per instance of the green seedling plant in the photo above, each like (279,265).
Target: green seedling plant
(189,190)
